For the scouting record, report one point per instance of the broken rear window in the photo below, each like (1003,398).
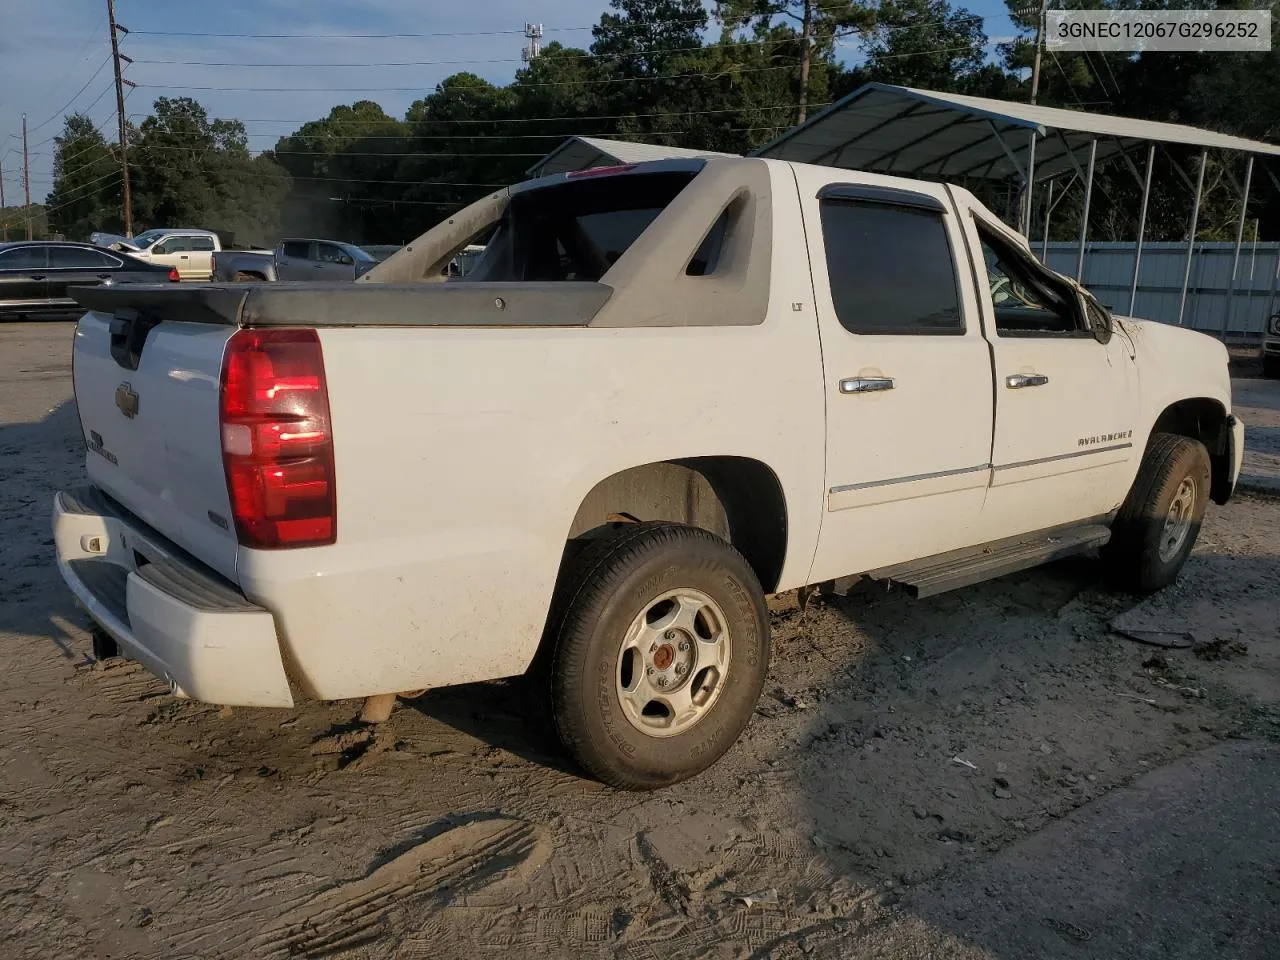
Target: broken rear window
(574,230)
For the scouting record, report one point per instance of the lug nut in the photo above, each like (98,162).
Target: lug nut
(679,669)
(684,645)
(650,671)
(671,634)
(662,681)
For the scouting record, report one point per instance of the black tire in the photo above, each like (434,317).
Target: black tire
(1139,556)
(1271,368)
(611,584)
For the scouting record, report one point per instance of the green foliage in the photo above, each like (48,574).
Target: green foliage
(726,76)
(193,171)
(87,184)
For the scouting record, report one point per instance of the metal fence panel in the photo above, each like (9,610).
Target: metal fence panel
(1108,272)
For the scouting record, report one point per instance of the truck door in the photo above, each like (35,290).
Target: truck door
(332,263)
(176,251)
(908,374)
(295,260)
(200,258)
(1066,402)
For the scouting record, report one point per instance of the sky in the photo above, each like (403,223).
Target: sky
(55,59)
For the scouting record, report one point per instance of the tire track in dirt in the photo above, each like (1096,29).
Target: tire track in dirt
(464,858)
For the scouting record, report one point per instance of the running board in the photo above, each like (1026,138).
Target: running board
(961,568)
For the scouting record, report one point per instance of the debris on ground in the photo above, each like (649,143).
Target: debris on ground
(1068,929)
(749,900)
(1170,640)
(1220,648)
(964,763)
(1134,696)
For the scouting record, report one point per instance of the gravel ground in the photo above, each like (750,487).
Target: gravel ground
(908,758)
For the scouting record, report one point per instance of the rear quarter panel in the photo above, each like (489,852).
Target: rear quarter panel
(463,455)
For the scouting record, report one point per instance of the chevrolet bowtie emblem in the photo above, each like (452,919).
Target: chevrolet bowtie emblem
(127,400)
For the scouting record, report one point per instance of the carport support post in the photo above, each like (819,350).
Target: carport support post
(1029,188)
(1235,259)
(1048,212)
(1084,214)
(1191,235)
(1142,226)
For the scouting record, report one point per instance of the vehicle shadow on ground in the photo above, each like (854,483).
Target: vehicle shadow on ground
(38,459)
(508,715)
(968,724)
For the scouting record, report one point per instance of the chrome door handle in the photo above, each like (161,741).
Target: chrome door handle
(866,384)
(1020,380)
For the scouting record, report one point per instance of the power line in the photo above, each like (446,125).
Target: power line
(557,119)
(61,110)
(718,75)
(562,56)
(65,203)
(678,21)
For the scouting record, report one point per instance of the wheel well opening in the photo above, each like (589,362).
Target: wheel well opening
(736,498)
(1203,419)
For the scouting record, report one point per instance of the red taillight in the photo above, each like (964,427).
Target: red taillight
(173,275)
(277,445)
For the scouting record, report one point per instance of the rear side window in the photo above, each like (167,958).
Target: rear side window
(891,269)
(24,258)
(297,250)
(72,257)
(574,230)
(201,243)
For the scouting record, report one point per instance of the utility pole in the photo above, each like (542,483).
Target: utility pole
(1035,64)
(116,57)
(26,176)
(2,187)
(806,54)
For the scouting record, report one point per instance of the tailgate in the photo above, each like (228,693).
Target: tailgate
(147,389)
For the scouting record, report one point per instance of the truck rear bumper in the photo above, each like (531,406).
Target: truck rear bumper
(183,622)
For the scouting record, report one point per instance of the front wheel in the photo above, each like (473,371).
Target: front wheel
(1158,523)
(661,643)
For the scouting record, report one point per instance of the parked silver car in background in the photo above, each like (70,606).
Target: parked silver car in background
(294,260)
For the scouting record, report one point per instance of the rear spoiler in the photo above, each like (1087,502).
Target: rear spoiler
(347,304)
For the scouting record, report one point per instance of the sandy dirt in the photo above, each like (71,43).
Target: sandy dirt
(901,745)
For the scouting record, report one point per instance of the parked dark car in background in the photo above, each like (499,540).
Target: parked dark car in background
(35,275)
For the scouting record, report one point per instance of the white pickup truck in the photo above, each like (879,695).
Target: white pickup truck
(664,392)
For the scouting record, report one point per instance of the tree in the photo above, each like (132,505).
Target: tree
(86,182)
(644,36)
(189,170)
(820,24)
(926,43)
(335,164)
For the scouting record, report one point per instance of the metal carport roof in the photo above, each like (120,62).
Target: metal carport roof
(901,130)
(582,153)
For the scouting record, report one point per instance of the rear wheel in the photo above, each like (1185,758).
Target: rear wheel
(1157,525)
(660,647)
(1271,367)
